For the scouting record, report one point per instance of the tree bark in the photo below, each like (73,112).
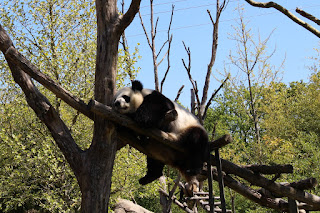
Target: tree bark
(126,206)
(95,180)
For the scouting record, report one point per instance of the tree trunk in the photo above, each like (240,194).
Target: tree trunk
(95,180)
(92,167)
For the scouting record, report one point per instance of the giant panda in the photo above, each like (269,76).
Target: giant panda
(151,109)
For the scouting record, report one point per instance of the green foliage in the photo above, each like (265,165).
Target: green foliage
(33,174)
(130,166)
(288,116)
(289,130)
(62,44)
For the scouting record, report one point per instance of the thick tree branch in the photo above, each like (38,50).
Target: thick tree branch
(155,134)
(308,16)
(285,12)
(43,109)
(126,19)
(17,59)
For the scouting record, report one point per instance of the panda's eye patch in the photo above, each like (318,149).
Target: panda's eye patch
(126,98)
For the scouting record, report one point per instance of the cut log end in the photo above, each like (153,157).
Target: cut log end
(224,140)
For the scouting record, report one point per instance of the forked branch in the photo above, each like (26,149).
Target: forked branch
(202,105)
(286,12)
(152,45)
(127,18)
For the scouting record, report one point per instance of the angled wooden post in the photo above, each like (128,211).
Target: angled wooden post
(220,178)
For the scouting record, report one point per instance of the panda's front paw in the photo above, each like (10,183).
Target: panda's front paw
(147,179)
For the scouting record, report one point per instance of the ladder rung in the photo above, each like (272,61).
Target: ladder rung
(201,193)
(215,203)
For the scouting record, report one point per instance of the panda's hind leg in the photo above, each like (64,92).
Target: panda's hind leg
(196,142)
(154,171)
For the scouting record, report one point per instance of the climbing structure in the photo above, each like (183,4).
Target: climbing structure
(285,197)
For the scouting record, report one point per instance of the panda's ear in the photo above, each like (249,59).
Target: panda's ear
(136,85)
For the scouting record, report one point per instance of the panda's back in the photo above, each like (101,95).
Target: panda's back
(184,120)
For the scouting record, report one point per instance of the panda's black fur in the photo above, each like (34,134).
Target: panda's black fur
(150,109)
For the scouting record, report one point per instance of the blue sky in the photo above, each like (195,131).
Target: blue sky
(192,25)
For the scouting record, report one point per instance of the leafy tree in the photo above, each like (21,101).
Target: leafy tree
(251,59)
(289,123)
(34,173)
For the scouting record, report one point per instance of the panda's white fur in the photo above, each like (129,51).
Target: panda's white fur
(121,105)
(184,121)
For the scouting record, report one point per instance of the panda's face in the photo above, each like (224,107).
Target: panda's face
(127,101)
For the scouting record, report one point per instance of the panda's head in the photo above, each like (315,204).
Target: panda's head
(128,99)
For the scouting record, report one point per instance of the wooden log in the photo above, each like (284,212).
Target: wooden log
(305,184)
(126,206)
(267,169)
(259,180)
(178,203)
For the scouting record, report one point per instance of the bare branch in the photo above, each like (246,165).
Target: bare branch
(155,28)
(168,65)
(193,82)
(162,58)
(179,93)
(212,97)
(285,12)
(144,30)
(208,11)
(153,47)
(169,38)
(308,16)
(213,57)
(163,45)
